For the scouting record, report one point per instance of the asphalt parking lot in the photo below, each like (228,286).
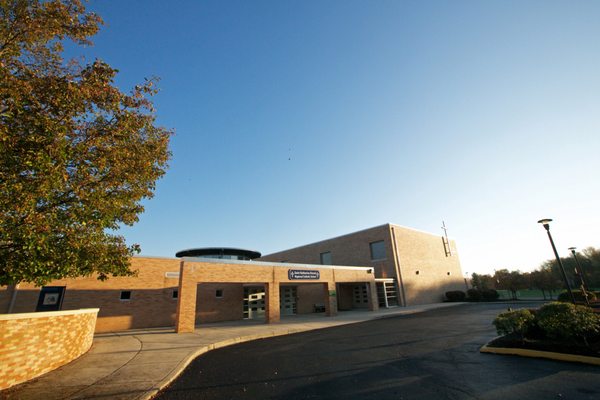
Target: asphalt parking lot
(431,355)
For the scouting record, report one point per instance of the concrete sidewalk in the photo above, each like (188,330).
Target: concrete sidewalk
(137,364)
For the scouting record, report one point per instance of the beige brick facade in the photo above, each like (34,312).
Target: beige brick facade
(428,272)
(213,290)
(352,249)
(419,261)
(152,302)
(36,343)
(227,307)
(196,273)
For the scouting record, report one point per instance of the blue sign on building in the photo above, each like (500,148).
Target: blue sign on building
(295,274)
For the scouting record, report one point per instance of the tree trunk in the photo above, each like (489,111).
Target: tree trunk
(13,298)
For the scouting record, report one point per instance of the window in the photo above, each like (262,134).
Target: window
(50,298)
(125,295)
(219,293)
(377,250)
(175,293)
(326,258)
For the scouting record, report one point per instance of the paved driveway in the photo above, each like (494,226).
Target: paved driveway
(432,355)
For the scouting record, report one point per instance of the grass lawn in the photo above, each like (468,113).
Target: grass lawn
(529,294)
(532,294)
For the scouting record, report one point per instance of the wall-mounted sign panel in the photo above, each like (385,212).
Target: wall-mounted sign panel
(51,298)
(300,274)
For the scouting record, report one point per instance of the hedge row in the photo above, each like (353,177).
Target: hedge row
(578,294)
(563,322)
(492,295)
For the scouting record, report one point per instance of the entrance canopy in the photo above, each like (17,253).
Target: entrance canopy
(194,271)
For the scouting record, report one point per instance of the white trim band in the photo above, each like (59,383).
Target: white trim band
(45,314)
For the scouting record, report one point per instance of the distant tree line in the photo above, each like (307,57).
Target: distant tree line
(547,278)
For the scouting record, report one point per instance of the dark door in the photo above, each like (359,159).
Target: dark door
(51,298)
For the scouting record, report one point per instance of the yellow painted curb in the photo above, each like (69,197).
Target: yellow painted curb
(541,354)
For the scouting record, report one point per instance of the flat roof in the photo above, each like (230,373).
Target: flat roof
(273,264)
(388,224)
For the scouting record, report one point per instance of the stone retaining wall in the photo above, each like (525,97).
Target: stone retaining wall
(32,344)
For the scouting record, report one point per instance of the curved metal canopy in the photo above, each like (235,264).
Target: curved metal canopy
(218,252)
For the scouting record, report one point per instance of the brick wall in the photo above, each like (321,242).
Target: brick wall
(344,295)
(352,249)
(5,294)
(269,275)
(36,343)
(406,251)
(309,294)
(427,272)
(151,304)
(228,307)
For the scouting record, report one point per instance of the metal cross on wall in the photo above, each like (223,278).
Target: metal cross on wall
(446,241)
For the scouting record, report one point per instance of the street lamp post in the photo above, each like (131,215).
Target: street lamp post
(546,223)
(579,270)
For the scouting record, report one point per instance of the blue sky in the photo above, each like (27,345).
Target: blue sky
(297,121)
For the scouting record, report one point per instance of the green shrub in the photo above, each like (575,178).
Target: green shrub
(566,321)
(490,294)
(456,295)
(517,321)
(578,294)
(474,294)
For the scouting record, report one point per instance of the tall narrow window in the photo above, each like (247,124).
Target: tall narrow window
(377,250)
(326,258)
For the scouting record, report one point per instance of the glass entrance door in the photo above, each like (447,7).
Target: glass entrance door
(360,298)
(287,300)
(254,302)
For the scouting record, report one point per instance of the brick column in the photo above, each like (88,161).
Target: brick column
(373,298)
(186,302)
(330,300)
(272,313)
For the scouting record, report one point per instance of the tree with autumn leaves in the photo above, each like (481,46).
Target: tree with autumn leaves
(77,155)
(547,278)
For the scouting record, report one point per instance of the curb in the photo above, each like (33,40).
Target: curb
(540,354)
(205,349)
(174,374)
